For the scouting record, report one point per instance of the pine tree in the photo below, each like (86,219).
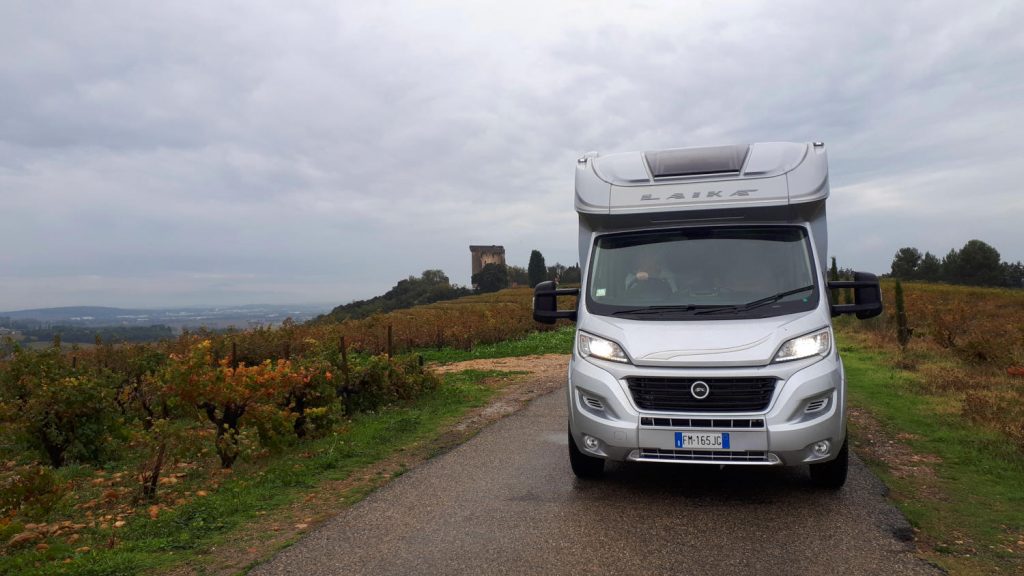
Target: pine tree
(903,332)
(536,270)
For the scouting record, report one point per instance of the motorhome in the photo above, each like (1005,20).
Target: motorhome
(704,318)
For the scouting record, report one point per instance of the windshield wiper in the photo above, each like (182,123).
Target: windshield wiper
(757,303)
(657,309)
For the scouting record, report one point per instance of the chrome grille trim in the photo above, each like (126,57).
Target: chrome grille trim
(732,423)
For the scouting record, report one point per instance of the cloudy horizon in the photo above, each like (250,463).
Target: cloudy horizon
(156,155)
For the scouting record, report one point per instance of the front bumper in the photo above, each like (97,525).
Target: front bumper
(807,406)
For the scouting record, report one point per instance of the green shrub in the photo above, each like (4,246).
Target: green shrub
(378,381)
(311,398)
(72,418)
(29,491)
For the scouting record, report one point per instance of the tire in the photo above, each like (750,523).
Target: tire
(583,466)
(832,474)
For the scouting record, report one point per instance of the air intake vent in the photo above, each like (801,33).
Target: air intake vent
(593,403)
(696,161)
(816,405)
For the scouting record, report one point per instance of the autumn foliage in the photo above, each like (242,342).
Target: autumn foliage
(211,400)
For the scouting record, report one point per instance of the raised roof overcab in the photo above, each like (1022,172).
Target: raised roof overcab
(684,179)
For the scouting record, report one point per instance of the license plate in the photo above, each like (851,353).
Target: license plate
(702,440)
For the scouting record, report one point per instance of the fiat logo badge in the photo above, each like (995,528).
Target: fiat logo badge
(700,389)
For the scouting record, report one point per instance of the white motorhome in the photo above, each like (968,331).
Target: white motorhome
(703,322)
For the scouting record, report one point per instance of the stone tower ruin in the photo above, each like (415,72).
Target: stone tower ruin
(484,255)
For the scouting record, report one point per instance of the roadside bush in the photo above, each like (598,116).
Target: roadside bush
(29,491)
(311,399)
(949,323)
(26,369)
(158,448)
(224,394)
(130,371)
(378,382)
(984,347)
(274,427)
(413,378)
(1001,409)
(941,378)
(71,418)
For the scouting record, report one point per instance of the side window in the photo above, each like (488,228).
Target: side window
(600,284)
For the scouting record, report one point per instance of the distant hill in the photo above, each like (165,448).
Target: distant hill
(65,313)
(189,317)
(432,286)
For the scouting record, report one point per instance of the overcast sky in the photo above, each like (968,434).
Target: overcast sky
(175,153)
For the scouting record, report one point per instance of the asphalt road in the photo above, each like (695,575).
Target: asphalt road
(506,502)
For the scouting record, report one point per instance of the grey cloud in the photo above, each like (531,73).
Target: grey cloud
(319,151)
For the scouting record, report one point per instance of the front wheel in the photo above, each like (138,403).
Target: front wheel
(832,474)
(584,466)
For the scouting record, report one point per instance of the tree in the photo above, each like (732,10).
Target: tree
(518,276)
(537,270)
(930,268)
(1013,274)
(843,295)
(905,263)
(555,272)
(491,278)
(903,331)
(571,275)
(951,266)
(980,265)
(434,278)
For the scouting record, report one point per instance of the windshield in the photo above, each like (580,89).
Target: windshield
(703,273)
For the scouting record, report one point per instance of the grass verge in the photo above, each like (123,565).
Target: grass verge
(551,342)
(969,506)
(261,489)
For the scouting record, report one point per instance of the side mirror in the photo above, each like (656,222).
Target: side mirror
(867,296)
(545,302)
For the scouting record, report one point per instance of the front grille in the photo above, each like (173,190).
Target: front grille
(725,394)
(702,422)
(723,456)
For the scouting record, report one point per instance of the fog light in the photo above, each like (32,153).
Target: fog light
(590,443)
(821,448)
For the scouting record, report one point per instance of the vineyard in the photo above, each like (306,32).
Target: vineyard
(966,344)
(96,442)
(100,447)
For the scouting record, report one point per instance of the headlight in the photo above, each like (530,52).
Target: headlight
(601,348)
(814,344)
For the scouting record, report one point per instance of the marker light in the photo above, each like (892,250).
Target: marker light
(601,348)
(815,344)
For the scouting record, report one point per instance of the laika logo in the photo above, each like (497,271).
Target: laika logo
(700,389)
(700,195)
